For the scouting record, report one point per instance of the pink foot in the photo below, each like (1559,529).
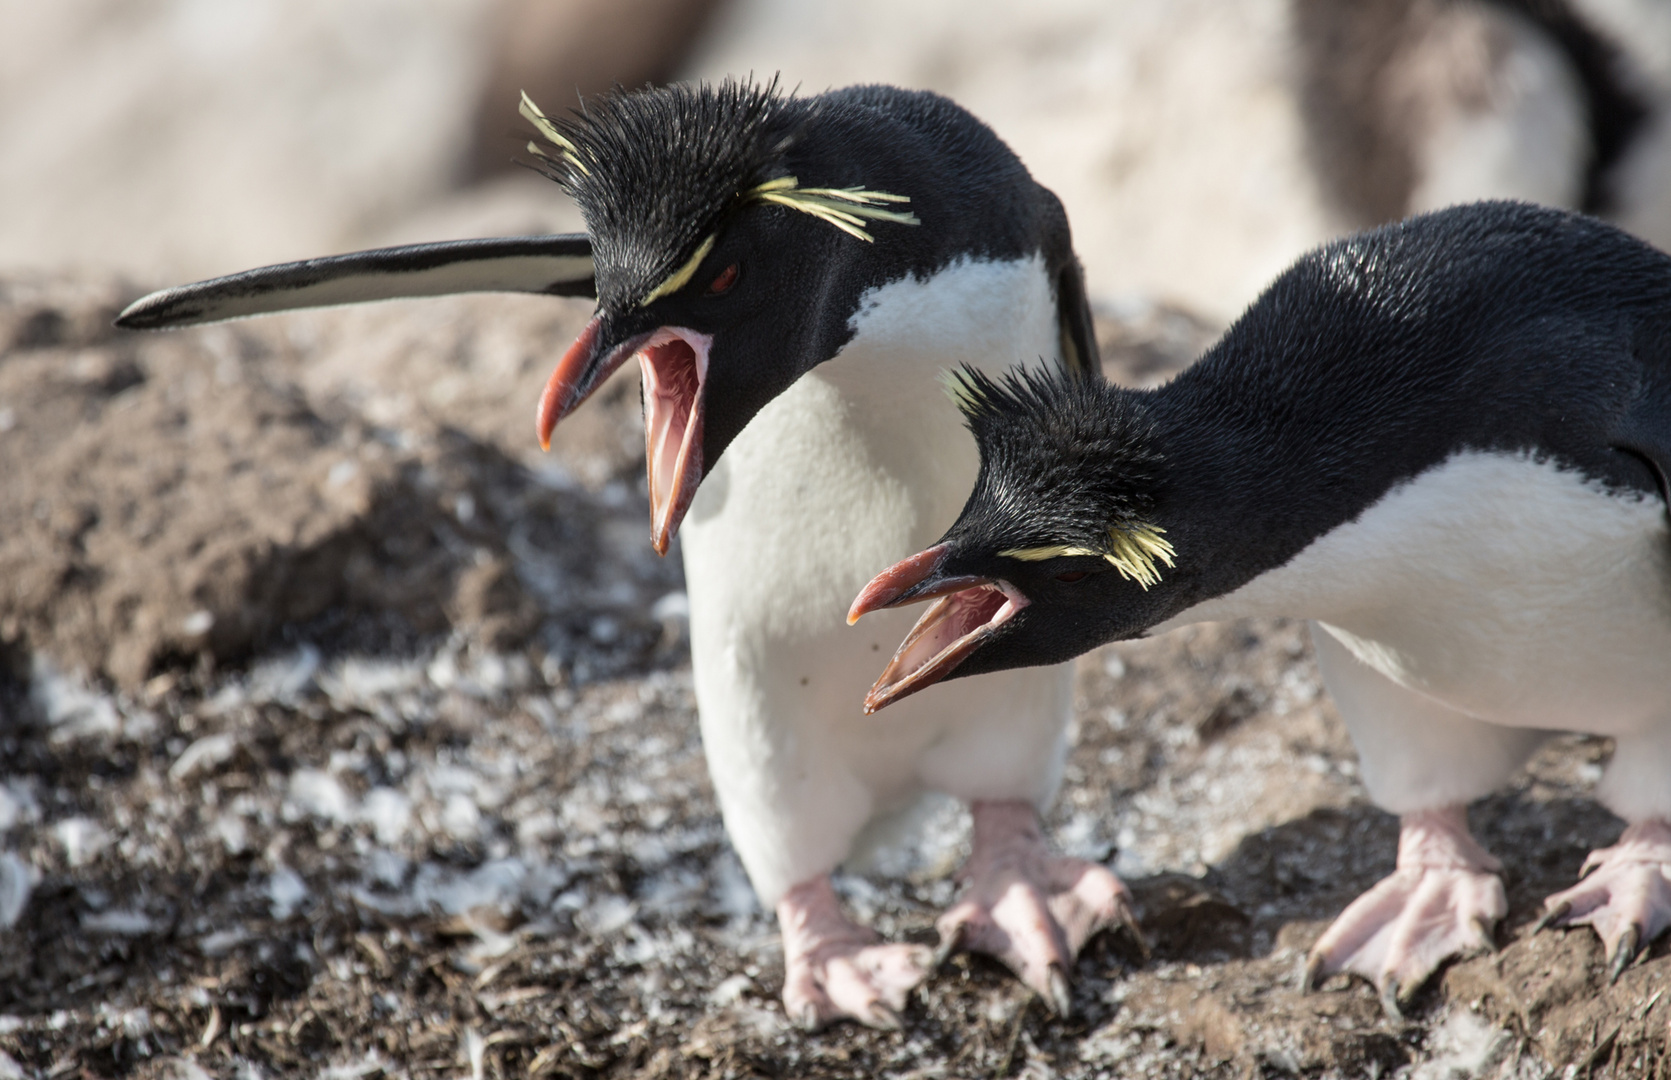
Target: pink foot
(1625,895)
(1029,908)
(1442,901)
(834,969)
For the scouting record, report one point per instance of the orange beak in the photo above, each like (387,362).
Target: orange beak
(674,362)
(965,612)
(569,384)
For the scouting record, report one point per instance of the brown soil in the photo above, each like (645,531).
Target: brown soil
(344,736)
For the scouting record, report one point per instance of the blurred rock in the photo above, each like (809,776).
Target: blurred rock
(181,139)
(167,501)
(177,496)
(17,881)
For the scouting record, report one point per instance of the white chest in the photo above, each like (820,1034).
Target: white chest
(863,460)
(1507,588)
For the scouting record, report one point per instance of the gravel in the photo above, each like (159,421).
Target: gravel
(456,821)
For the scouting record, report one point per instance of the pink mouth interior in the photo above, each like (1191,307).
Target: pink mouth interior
(674,363)
(959,614)
(947,632)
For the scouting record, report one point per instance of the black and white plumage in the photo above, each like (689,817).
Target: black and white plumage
(1445,442)
(794,275)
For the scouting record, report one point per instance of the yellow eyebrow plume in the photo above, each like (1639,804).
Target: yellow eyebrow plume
(1132,551)
(967,395)
(680,277)
(845,208)
(548,130)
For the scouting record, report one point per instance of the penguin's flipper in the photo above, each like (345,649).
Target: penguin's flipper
(1073,314)
(1646,436)
(556,265)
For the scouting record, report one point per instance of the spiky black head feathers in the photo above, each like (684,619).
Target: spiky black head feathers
(657,170)
(1068,467)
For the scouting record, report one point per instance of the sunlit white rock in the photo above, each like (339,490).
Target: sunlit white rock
(286,892)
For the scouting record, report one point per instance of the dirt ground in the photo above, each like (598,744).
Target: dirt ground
(343,736)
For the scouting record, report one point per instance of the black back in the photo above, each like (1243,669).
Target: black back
(1498,327)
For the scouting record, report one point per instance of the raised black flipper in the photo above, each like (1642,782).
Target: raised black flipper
(556,265)
(1646,433)
(1073,313)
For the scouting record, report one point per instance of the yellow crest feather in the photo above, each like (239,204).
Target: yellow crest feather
(548,130)
(1049,551)
(1133,551)
(681,276)
(846,208)
(964,391)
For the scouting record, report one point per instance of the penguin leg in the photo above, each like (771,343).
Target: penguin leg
(1625,893)
(835,969)
(1424,761)
(1442,901)
(1030,908)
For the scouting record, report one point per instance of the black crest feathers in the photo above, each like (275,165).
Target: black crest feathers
(656,170)
(1068,466)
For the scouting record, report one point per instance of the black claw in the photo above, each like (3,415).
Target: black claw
(949,946)
(1389,999)
(1309,971)
(1488,937)
(883,1017)
(1129,921)
(1624,952)
(807,1021)
(1061,992)
(1553,916)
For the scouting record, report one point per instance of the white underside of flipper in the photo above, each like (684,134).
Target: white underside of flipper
(1485,602)
(860,463)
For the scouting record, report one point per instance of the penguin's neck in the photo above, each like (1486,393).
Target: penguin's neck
(1250,491)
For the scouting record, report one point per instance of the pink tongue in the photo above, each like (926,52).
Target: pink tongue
(669,393)
(672,362)
(969,610)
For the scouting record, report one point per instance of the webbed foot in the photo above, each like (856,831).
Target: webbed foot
(1443,900)
(835,969)
(1031,909)
(1625,894)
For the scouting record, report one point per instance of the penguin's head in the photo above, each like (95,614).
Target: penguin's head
(733,229)
(1060,547)
(733,236)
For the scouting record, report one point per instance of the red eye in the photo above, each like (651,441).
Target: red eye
(723,283)
(1071,575)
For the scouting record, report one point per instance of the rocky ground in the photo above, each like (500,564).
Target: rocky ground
(342,736)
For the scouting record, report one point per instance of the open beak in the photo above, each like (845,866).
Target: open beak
(675,366)
(578,373)
(966,611)
(674,363)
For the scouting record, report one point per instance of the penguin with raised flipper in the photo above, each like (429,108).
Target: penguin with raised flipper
(1446,443)
(793,276)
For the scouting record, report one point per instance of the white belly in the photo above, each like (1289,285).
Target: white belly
(860,463)
(1508,589)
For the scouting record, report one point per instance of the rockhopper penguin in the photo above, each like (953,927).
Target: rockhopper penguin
(1446,443)
(793,276)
